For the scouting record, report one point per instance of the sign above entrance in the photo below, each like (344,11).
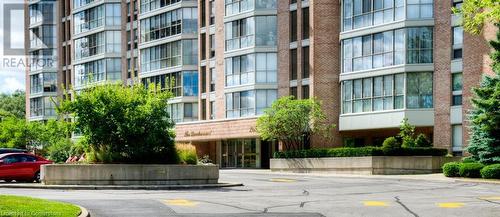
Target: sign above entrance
(197,133)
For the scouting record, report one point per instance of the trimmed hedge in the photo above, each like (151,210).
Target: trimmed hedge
(451,169)
(360,152)
(491,171)
(470,170)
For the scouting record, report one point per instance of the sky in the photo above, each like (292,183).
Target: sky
(12,74)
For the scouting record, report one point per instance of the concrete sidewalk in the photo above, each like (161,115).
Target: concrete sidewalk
(117,187)
(436,177)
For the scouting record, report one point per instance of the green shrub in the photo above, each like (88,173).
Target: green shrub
(471,170)
(391,143)
(468,160)
(360,152)
(422,141)
(451,169)
(491,171)
(187,153)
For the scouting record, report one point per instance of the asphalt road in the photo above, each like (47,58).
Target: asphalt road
(271,194)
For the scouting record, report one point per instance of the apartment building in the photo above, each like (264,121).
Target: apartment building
(371,63)
(88,41)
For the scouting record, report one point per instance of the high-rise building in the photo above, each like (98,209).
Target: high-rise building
(371,63)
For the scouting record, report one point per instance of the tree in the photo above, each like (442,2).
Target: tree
(476,13)
(484,145)
(407,134)
(293,122)
(13,104)
(124,124)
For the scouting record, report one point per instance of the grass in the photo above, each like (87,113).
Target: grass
(187,153)
(17,206)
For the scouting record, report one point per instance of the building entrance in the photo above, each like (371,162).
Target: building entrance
(240,153)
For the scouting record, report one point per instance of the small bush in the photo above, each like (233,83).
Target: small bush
(468,160)
(491,171)
(390,143)
(422,141)
(451,169)
(187,153)
(471,170)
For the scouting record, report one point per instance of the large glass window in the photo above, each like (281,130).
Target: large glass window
(373,94)
(457,86)
(190,83)
(251,68)
(190,52)
(43,36)
(43,106)
(169,23)
(161,56)
(419,9)
(81,3)
(170,81)
(89,19)
(244,104)
(150,5)
(419,90)
(248,32)
(237,6)
(387,49)
(42,12)
(458,38)
(99,43)
(97,71)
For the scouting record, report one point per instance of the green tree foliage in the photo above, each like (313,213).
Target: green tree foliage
(124,124)
(293,121)
(407,134)
(484,144)
(476,13)
(13,105)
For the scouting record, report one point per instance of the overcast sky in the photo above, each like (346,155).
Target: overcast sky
(12,73)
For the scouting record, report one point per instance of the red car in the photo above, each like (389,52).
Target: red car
(21,167)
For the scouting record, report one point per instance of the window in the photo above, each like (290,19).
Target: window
(190,112)
(457,4)
(213,78)
(293,92)
(203,13)
(81,3)
(203,49)
(305,23)
(164,25)
(419,90)
(233,7)
(89,19)
(212,12)
(387,49)
(240,104)
(99,43)
(251,31)
(212,110)
(42,106)
(190,83)
(170,81)
(90,72)
(293,26)
(458,33)
(457,145)
(293,64)
(305,62)
(305,91)
(113,14)
(161,56)
(212,46)
(203,79)
(264,99)
(457,85)
(203,109)
(190,52)
(150,5)
(419,9)
(373,94)
(251,69)
(364,13)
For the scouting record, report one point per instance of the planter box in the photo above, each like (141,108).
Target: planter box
(128,174)
(372,165)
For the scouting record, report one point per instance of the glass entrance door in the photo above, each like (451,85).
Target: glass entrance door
(240,153)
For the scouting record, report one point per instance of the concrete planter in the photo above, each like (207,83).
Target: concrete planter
(128,174)
(372,165)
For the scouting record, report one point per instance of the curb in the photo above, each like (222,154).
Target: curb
(120,187)
(478,181)
(83,212)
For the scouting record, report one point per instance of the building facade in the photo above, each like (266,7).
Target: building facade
(371,63)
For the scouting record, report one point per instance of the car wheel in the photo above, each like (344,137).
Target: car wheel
(37,177)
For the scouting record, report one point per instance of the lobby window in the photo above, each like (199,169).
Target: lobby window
(293,64)
(293,26)
(419,9)
(457,86)
(305,62)
(305,91)
(458,34)
(412,46)
(457,144)
(419,90)
(373,94)
(293,92)
(305,23)
(190,83)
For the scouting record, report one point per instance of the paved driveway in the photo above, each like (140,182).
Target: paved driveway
(272,194)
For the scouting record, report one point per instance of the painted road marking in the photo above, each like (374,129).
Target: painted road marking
(180,202)
(489,198)
(375,203)
(451,205)
(283,180)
